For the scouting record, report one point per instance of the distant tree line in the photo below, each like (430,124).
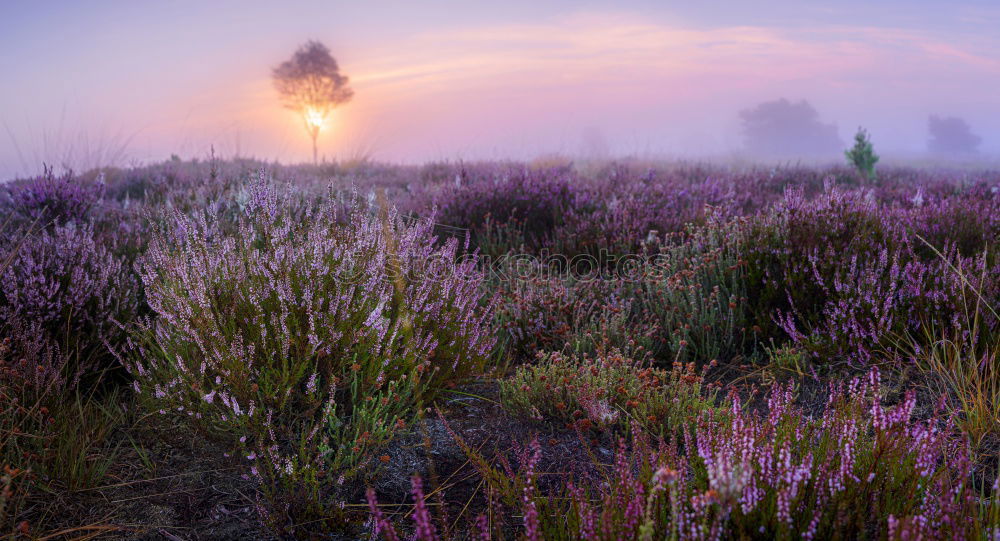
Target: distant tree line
(951,135)
(783,128)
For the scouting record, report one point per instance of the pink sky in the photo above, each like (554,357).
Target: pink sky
(627,80)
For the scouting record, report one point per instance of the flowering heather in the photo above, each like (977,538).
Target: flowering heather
(558,210)
(556,311)
(568,210)
(849,470)
(843,273)
(72,290)
(51,200)
(862,469)
(618,216)
(31,365)
(534,200)
(52,438)
(302,330)
(967,222)
(305,338)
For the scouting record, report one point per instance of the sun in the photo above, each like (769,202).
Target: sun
(315,118)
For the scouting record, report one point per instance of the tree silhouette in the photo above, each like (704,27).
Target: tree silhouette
(782,128)
(951,135)
(311,84)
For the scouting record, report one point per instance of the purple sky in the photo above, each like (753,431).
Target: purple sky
(131,82)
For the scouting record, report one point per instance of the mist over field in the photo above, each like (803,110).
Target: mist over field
(112,83)
(440,271)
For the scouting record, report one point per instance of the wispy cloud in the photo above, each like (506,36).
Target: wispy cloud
(593,45)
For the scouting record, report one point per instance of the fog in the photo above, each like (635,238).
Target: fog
(115,84)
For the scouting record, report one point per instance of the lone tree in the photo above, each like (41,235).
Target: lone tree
(311,84)
(862,155)
(951,135)
(781,128)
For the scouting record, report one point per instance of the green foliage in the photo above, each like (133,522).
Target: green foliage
(696,293)
(609,390)
(964,363)
(785,361)
(686,301)
(862,155)
(861,469)
(52,438)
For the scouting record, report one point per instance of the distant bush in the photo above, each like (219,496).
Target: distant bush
(862,155)
(305,339)
(951,135)
(781,128)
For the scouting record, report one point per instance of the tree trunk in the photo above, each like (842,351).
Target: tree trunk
(315,135)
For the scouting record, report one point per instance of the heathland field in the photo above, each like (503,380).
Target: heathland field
(244,350)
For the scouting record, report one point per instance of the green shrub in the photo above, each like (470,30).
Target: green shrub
(609,390)
(696,293)
(862,155)
(686,301)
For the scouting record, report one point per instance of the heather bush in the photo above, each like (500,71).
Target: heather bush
(696,291)
(684,299)
(841,274)
(968,223)
(857,468)
(542,308)
(50,200)
(961,360)
(305,339)
(532,202)
(623,212)
(64,285)
(53,432)
(32,377)
(861,470)
(871,301)
(559,211)
(609,390)
(800,239)
(964,369)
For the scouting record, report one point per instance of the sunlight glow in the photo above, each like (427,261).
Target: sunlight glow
(315,118)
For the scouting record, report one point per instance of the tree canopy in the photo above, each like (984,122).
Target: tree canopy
(786,129)
(311,79)
(951,135)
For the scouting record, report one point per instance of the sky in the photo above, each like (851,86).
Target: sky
(120,83)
